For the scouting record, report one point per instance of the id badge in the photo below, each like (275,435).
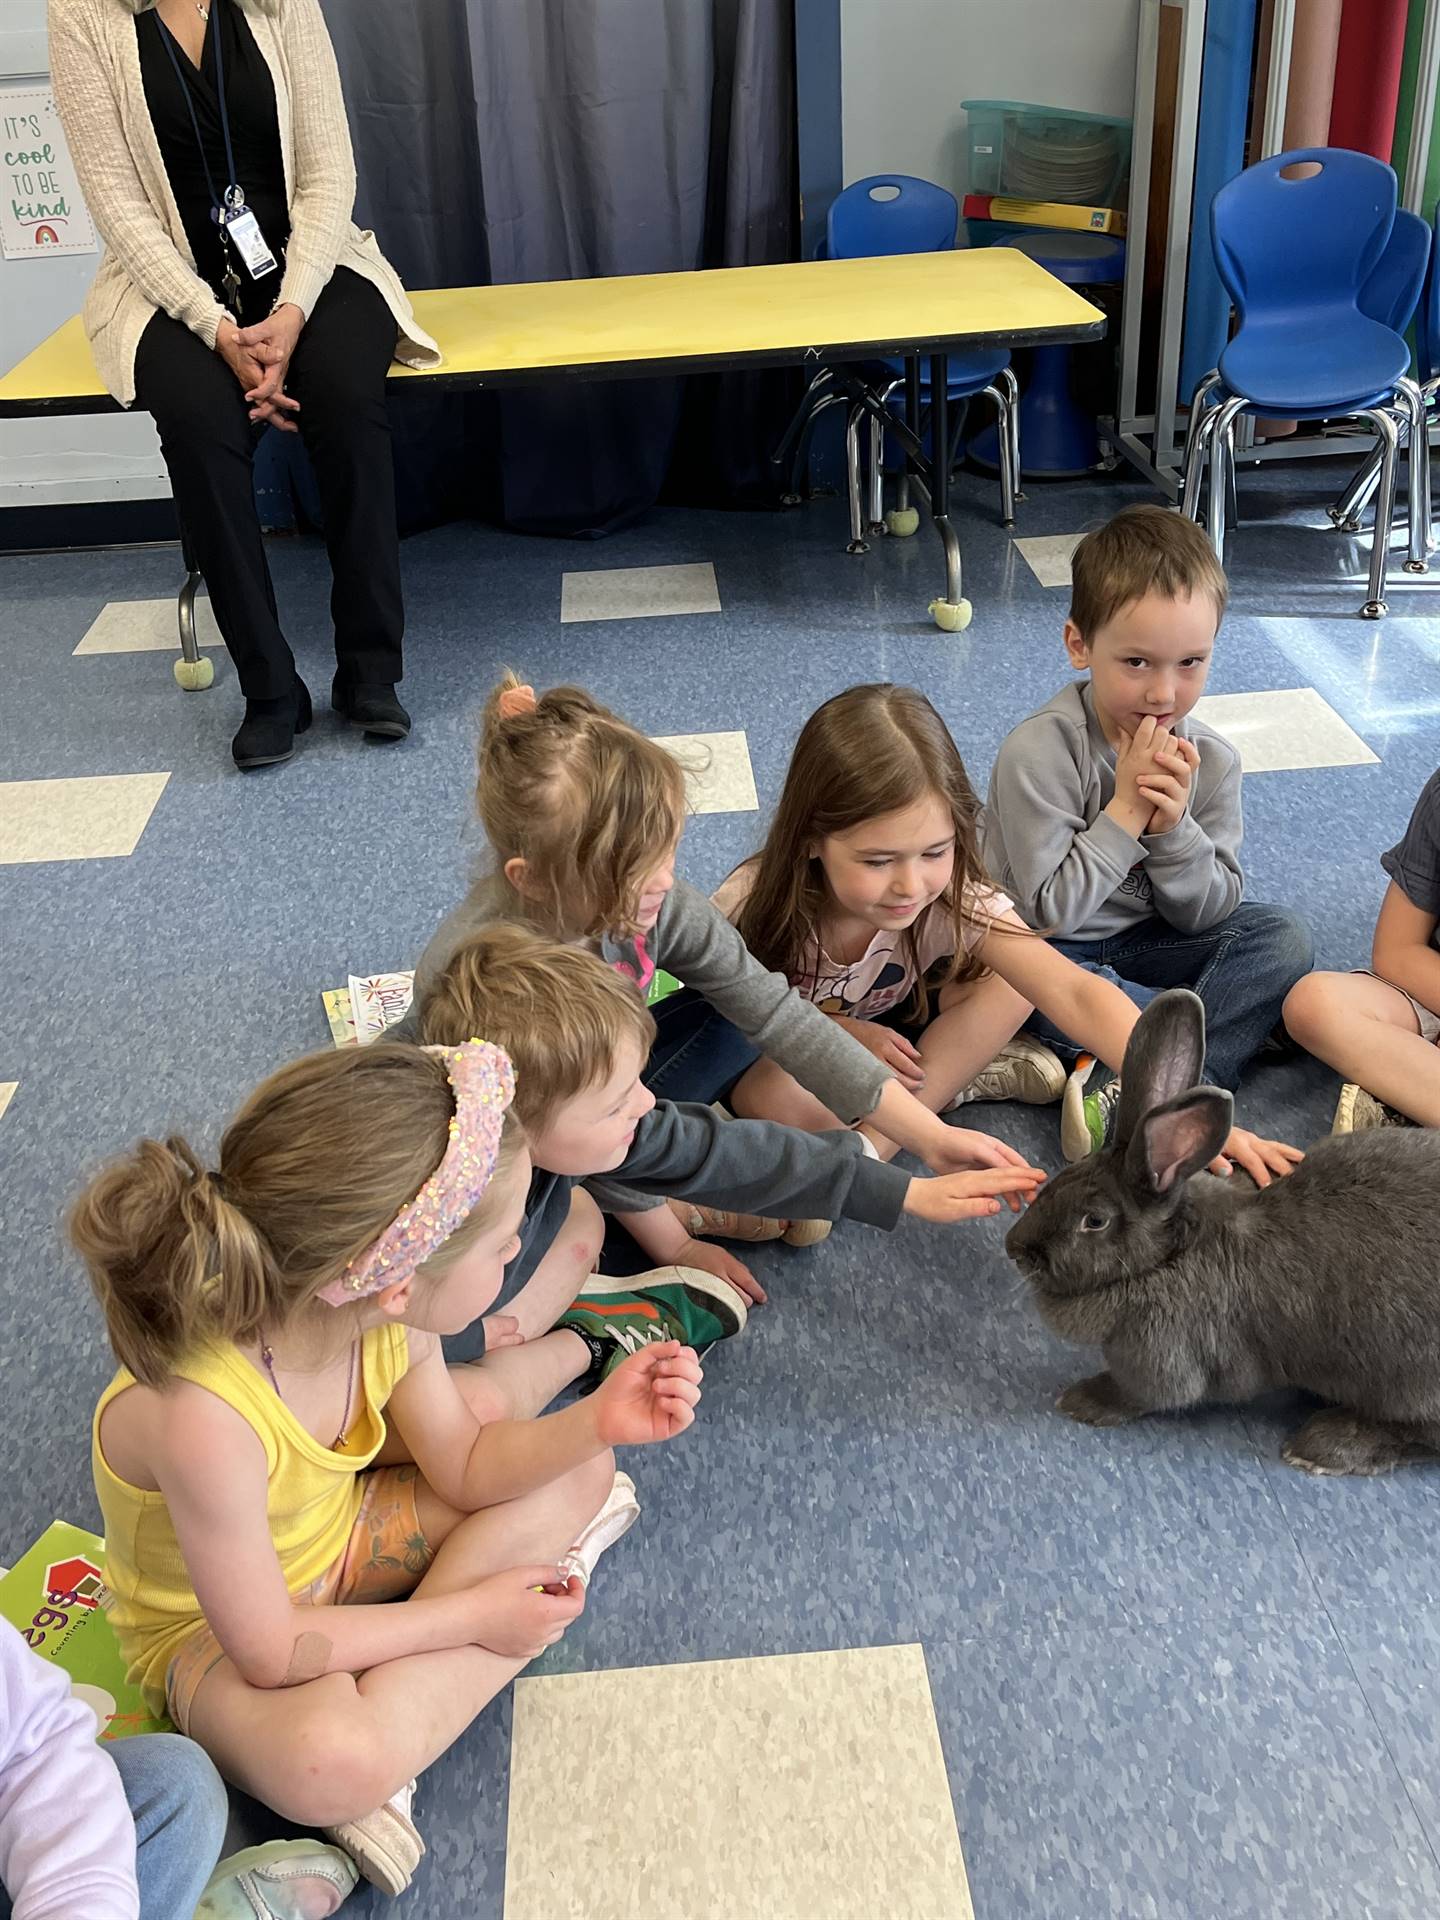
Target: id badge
(244,230)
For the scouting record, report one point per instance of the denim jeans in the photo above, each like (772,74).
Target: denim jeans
(1242,970)
(179,1805)
(698,1054)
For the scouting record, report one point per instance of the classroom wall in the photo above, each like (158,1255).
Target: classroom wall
(52,463)
(906,67)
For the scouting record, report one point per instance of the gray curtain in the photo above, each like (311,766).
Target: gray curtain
(511,140)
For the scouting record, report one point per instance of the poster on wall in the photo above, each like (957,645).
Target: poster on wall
(41,211)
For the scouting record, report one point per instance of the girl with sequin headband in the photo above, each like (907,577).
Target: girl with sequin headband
(283,1448)
(584,816)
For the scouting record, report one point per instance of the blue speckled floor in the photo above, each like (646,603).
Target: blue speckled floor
(1171,1677)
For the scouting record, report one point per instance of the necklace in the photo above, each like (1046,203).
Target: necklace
(337,1445)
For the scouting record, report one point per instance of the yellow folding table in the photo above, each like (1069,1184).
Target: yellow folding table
(834,313)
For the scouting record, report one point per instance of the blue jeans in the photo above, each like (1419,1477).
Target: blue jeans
(1242,969)
(179,1804)
(698,1054)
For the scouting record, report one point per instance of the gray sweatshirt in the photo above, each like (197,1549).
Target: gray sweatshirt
(1070,869)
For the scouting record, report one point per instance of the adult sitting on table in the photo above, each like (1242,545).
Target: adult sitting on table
(210,142)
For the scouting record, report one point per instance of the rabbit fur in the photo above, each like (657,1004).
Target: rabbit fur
(1200,1289)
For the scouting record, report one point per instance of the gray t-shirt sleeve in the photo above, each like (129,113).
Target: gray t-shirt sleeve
(1413,863)
(1058,869)
(694,941)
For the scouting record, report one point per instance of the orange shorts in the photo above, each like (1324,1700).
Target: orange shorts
(385,1558)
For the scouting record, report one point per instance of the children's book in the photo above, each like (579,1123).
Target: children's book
(361,1012)
(56,1595)
(661,986)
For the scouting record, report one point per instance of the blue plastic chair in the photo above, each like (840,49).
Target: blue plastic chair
(887,214)
(1297,257)
(1392,294)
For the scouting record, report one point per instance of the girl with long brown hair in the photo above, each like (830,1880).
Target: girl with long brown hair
(871,898)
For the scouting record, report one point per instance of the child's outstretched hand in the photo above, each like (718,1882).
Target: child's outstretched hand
(957,1148)
(1257,1157)
(972,1196)
(651,1396)
(525,1609)
(892,1049)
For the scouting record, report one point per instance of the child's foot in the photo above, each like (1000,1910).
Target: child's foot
(1024,1069)
(283,1880)
(385,1845)
(1086,1118)
(717,1223)
(619,1513)
(1358,1112)
(616,1318)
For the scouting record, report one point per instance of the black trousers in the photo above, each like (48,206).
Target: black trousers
(337,374)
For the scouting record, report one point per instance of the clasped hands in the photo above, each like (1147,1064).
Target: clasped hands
(259,358)
(1155,768)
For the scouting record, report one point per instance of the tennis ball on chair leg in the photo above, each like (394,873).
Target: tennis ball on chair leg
(951,616)
(194,675)
(902,521)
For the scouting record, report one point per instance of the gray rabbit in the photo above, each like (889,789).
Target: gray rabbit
(1201,1289)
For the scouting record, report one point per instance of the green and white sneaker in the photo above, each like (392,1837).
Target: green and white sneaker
(1086,1118)
(616,1318)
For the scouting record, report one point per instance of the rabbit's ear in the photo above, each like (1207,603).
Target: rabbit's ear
(1164,1057)
(1177,1139)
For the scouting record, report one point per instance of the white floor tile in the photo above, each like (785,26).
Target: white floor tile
(100,818)
(772,1789)
(7,1094)
(1048,556)
(146,626)
(638,593)
(718,773)
(1280,731)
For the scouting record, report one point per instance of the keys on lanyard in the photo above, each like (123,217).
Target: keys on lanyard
(239,229)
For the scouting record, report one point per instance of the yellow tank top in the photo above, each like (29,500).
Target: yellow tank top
(312,1500)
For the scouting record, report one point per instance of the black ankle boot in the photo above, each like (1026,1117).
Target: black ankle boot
(268,735)
(372,706)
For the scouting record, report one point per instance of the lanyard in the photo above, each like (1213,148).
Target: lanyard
(233,197)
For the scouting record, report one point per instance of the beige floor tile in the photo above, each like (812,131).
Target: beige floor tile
(7,1094)
(803,1787)
(639,593)
(146,626)
(98,818)
(1048,556)
(1288,728)
(719,777)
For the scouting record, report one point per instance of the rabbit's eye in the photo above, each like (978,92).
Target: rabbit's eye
(1094,1222)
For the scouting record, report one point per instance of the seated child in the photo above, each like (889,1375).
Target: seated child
(869,895)
(579,1036)
(584,816)
(1114,823)
(1379,1027)
(283,1450)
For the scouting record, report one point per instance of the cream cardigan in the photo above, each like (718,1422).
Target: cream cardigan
(147,264)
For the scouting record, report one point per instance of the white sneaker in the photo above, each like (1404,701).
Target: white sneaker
(1358,1112)
(385,1845)
(615,1519)
(1024,1069)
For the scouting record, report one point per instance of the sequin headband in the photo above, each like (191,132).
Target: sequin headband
(484,1084)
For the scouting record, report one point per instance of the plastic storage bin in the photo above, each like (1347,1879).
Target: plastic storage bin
(1047,153)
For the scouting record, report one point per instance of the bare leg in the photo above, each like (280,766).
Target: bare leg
(561,1275)
(975,1020)
(1367,1031)
(334,1749)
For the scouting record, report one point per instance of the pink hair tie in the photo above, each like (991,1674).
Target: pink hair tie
(484,1084)
(514,701)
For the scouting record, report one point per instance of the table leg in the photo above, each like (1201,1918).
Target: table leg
(192,670)
(953,612)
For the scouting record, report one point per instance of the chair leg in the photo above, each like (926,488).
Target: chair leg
(1198,448)
(1385,425)
(876,478)
(800,416)
(1352,503)
(1200,406)
(1006,379)
(1003,447)
(800,465)
(1417,476)
(1222,462)
(858,543)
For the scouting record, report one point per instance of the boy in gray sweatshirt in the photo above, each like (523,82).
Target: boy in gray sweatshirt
(1114,821)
